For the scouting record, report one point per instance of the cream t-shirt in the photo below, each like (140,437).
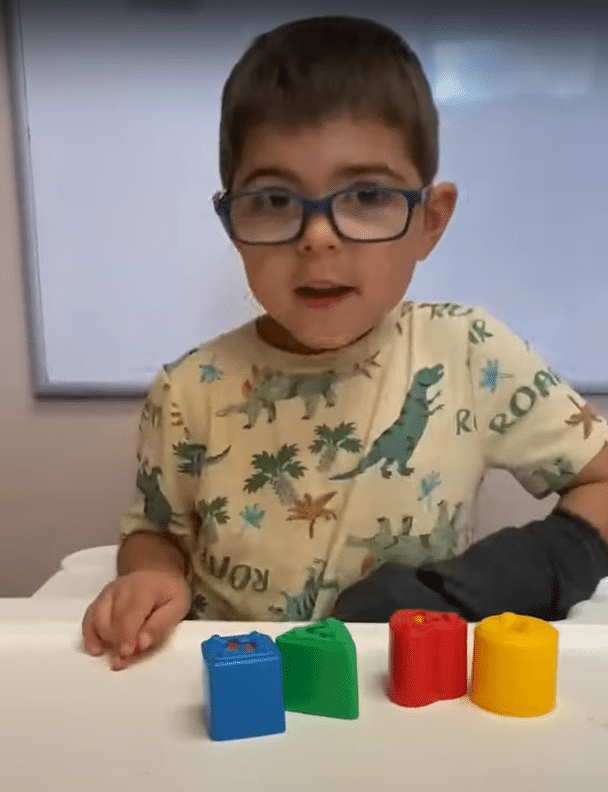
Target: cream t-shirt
(287,477)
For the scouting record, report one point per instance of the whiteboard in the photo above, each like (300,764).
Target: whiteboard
(117,113)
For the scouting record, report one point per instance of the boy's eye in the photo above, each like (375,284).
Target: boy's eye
(368,196)
(265,201)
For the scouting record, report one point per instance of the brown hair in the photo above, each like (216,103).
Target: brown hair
(307,71)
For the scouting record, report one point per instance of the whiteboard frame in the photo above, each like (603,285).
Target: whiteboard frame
(42,387)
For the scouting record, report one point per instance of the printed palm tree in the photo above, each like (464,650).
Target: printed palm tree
(312,510)
(170,367)
(364,366)
(151,412)
(406,308)
(212,514)
(252,516)
(329,441)
(491,375)
(210,372)
(276,470)
(584,415)
(177,419)
(427,485)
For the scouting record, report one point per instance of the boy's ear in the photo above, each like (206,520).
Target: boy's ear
(438,210)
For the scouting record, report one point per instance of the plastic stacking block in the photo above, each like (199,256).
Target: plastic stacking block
(320,670)
(245,688)
(515,665)
(427,657)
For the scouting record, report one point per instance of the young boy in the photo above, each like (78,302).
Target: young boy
(326,457)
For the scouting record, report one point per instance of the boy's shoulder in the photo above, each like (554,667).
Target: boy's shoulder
(466,330)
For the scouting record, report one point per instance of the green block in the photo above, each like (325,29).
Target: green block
(320,670)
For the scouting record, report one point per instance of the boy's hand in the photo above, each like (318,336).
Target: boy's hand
(133,613)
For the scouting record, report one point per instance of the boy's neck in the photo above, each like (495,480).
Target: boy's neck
(277,336)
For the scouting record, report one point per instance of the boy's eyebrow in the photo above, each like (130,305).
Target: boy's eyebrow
(371,169)
(278,173)
(348,171)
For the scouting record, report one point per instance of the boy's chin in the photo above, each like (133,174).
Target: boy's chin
(302,342)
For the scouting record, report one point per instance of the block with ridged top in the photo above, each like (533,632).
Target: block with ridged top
(320,670)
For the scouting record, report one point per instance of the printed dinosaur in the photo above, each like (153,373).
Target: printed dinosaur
(300,606)
(558,478)
(195,457)
(268,386)
(156,506)
(404,548)
(396,444)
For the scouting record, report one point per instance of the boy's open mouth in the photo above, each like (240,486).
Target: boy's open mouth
(323,293)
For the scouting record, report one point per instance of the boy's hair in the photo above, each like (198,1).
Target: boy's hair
(311,70)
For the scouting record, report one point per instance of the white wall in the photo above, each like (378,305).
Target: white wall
(123,111)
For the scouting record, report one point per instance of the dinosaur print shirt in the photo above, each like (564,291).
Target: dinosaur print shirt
(286,478)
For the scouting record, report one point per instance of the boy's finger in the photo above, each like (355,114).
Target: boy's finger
(128,616)
(91,641)
(97,622)
(93,644)
(144,641)
(118,663)
(158,623)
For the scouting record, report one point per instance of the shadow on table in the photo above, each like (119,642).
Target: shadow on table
(190,722)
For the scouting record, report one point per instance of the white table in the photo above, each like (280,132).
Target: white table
(70,724)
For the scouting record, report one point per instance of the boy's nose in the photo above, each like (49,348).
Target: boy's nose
(318,234)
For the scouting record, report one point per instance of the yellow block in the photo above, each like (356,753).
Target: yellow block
(515,665)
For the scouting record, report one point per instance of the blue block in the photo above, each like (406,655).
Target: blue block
(245,686)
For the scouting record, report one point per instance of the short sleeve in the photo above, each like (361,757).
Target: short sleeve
(165,494)
(531,422)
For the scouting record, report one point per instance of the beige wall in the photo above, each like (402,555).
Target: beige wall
(67,468)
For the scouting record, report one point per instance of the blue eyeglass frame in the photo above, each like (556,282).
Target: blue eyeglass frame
(222,202)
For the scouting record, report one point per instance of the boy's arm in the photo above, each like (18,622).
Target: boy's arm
(587,496)
(152,590)
(531,423)
(541,569)
(151,551)
(534,425)
(157,530)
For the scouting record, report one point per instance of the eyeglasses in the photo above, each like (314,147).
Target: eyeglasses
(275,216)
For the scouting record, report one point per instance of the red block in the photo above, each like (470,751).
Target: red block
(427,657)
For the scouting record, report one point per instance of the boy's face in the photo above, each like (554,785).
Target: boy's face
(315,161)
